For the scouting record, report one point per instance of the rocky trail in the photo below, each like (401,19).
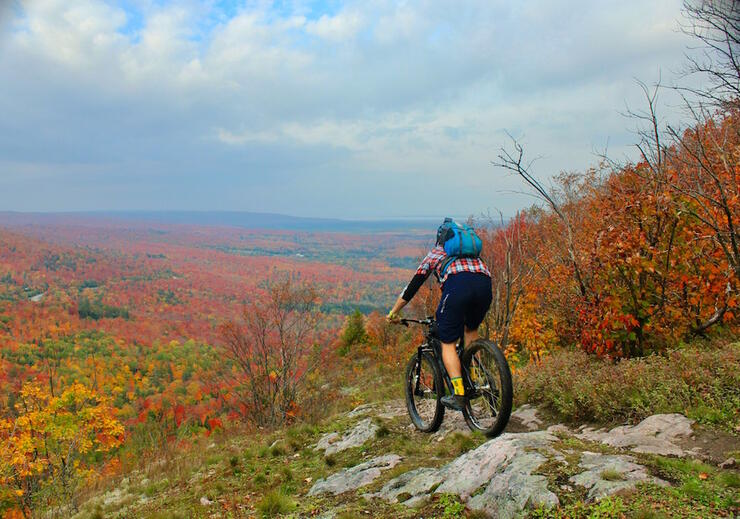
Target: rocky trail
(534,465)
(371,462)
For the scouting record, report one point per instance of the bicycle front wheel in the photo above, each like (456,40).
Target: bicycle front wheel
(489,388)
(424,387)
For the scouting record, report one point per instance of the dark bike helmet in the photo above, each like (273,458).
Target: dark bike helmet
(444,231)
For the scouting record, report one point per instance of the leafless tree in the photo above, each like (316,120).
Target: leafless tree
(716,26)
(514,161)
(272,348)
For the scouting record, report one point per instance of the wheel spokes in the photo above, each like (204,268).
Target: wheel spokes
(423,391)
(484,388)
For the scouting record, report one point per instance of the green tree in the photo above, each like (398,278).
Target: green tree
(354,331)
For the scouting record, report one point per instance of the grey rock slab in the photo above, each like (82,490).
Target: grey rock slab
(596,465)
(559,428)
(504,465)
(527,416)
(392,409)
(355,477)
(467,473)
(361,410)
(656,434)
(415,483)
(453,422)
(359,434)
(516,488)
(326,441)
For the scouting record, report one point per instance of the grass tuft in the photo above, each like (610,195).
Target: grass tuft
(274,504)
(287,474)
(276,451)
(382,431)
(612,475)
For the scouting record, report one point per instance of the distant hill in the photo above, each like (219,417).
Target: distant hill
(250,220)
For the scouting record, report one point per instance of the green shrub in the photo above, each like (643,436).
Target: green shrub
(275,503)
(451,505)
(703,384)
(287,474)
(277,451)
(612,475)
(354,332)
(382,431)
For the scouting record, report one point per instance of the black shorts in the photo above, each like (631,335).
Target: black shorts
(466,297)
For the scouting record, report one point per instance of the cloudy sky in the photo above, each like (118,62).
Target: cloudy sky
(342,109)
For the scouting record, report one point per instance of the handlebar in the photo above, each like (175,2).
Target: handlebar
(424,322)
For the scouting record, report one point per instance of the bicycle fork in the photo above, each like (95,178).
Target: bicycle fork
(417,390)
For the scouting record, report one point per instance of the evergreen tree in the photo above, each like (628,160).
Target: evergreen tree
(354,331)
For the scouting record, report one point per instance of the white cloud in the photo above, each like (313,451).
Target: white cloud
(415,90)
(340,27)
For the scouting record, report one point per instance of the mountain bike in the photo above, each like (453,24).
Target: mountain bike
(486,378)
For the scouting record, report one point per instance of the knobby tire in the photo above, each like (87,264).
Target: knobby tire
(494,393)
(432,413)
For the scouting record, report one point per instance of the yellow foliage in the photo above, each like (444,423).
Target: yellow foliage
(49,439)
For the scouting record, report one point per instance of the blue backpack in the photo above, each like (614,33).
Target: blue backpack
(459,241)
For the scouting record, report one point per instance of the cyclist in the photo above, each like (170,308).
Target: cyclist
(466,297)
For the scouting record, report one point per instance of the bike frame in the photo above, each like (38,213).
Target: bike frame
(433,345)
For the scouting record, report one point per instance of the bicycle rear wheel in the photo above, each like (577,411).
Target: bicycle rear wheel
(424,387)
(489,388)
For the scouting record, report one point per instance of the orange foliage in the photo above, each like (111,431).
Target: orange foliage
(655,259)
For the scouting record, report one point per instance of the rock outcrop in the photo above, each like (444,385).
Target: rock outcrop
(657,434)
(527,416)
(509,474)
(504,467)
(332,442)
(355,477)
(607,474)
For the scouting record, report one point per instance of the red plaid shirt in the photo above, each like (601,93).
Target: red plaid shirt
(435,259)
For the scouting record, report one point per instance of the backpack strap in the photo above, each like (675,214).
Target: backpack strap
(446,265)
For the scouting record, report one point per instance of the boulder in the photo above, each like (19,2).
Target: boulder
(411,486)
(527,416)
(355,477)
(657,434)
(359,434)
(608,474)
(503,466)
(515,489)
(360,410)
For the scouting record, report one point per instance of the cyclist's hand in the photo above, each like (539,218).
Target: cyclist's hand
(393,317)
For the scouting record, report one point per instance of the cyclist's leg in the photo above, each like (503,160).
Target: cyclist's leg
(451,360)
(450,319)
(471,335)
(477,306)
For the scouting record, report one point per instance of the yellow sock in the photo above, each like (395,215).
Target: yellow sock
(457,383)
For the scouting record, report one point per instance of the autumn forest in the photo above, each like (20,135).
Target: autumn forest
(131,341)
(119,338)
